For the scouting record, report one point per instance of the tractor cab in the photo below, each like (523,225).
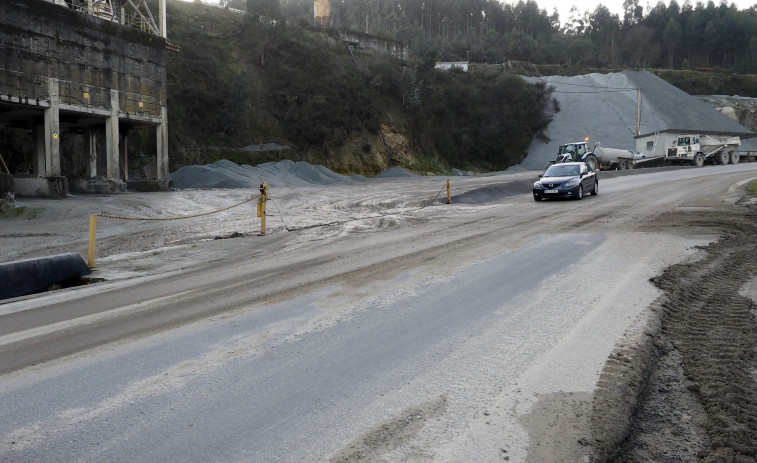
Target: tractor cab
(572,151)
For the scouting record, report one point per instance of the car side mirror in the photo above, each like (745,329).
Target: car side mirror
(541,175)
(583,174)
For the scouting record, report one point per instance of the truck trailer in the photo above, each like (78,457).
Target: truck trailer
(696,150)
(601,157)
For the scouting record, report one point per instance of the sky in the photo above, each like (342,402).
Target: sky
(615,6)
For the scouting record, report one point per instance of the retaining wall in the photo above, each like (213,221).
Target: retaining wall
(88,55)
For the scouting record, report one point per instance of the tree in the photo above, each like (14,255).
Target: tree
(264,9)
(582,52)
(639,46)
(576,23)
(672,36)
(603,30)
(632,12)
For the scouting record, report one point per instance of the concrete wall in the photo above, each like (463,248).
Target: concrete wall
(41,187)
(88,56)
(377,44)
(660,143)
(6,184)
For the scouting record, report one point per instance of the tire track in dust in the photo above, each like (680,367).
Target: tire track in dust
(712,332)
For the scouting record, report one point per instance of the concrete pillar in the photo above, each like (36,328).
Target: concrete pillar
(111,140)
(52,132)
(162,19)
(91,154)
(162,138)
(125,157)
(38,138)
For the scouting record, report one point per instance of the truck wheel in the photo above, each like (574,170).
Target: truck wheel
(722,158)
(629,165)
(622,165)
(735,157)
(591,161)
(698,160)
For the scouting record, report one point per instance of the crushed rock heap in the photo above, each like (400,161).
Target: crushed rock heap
(227,174)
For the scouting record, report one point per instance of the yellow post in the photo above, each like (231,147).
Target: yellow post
(92,237)
(449,198)
(261,206)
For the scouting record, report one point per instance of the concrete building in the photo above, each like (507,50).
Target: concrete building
(681,115)
(76,78)
(449,65)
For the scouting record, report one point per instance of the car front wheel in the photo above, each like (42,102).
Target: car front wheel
(595,190)
(580,193)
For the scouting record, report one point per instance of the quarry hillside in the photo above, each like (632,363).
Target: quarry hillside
(253,93)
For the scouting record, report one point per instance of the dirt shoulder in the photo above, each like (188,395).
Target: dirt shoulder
(687,389)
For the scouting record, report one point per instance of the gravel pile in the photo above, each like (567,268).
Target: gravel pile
(226,174)
(603,108)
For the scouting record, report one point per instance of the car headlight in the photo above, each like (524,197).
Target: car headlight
(570,183)
(537,184)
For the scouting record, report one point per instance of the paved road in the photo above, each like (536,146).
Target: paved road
(435,339)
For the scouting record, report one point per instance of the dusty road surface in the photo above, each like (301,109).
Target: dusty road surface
(374,323)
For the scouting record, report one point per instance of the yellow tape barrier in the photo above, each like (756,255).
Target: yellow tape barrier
(100,214)
(93,223)
(93,218)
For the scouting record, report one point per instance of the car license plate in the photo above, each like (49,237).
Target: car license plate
(550,191)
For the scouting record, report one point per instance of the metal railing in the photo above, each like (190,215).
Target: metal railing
(125,12)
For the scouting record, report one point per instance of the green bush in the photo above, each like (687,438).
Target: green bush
(239,81)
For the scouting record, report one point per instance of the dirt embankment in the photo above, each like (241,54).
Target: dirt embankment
(698,400)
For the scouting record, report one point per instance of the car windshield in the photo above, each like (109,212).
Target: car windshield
(562,171)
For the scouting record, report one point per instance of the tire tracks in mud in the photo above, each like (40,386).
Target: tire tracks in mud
(687,390)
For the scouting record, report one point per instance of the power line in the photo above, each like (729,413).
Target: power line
(587,85)
(600,91)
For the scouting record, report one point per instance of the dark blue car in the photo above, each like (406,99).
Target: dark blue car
(566,180)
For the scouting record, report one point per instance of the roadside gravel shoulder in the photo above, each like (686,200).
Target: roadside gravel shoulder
(684,389)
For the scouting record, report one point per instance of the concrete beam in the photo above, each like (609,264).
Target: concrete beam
(24,100)
(162,19)
(125,157)
(52,131)
(38,147)
(162,140)
(91,139)
(111,139)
